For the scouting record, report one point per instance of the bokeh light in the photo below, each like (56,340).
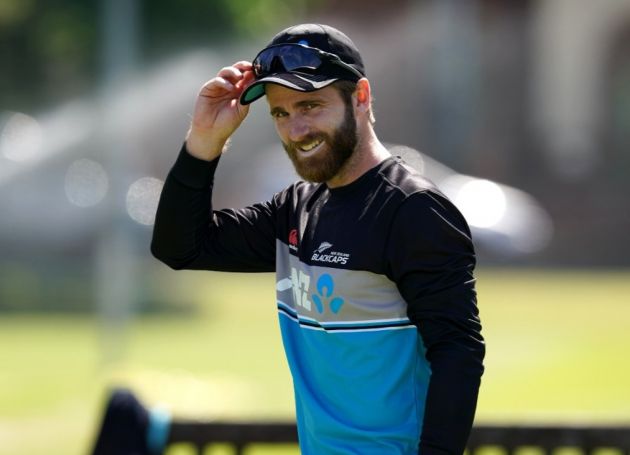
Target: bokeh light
(482,202)
(86,183)
(142,199)
(21,138)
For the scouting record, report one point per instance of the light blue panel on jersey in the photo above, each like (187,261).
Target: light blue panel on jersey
(357,390)
(358,364)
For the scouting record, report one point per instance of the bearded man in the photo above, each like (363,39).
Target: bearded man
(375,287)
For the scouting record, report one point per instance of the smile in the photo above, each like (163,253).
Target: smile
(311,147)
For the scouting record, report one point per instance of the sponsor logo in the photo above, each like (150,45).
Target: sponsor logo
(333,257)
(323,297)
(300,283)
(293,239)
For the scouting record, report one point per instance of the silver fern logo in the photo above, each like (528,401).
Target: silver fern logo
(322,254)
(323,247)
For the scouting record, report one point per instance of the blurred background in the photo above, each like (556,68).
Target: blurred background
(519,110)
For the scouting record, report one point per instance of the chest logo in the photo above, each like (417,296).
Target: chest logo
(322,254)
(323,247)
(324,295)
(325,291)
(293,239)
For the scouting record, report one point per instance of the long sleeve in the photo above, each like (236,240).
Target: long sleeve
(189,234)
(432,261)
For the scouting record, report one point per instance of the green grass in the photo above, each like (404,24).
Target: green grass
(557,352)
(557,346)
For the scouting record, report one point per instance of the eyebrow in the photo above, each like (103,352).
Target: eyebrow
(309,101)
(299,104)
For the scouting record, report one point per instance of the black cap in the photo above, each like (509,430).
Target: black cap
(322,37)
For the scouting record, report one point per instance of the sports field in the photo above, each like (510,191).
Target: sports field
(557,351)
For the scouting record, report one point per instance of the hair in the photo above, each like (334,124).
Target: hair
(346,89)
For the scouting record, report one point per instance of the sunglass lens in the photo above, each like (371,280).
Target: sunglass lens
(285,58)
(298,57)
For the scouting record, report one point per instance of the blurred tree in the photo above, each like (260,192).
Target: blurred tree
(46,50)
(49,50)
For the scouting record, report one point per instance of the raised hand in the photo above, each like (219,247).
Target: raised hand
(217,112)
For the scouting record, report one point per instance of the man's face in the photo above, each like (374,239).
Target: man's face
(317,129)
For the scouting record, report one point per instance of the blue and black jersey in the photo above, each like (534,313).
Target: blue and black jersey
(375,295)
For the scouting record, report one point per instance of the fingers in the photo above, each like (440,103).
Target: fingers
(230,79)
(230,73)
(236,72)
(243,65)
(229,82)
(248,78)
(220,82)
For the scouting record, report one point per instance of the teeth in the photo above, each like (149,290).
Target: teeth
(311,146)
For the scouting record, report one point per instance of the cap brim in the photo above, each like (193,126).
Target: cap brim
(295,81)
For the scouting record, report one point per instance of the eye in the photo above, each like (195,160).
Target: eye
(276,114)
(310,106)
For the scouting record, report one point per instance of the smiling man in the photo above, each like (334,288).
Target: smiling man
(375,288)
(318,153)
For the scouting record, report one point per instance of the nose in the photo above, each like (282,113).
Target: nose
(298,129)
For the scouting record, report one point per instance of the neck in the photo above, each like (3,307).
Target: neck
(368,153)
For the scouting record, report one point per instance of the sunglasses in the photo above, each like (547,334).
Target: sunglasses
(281,58)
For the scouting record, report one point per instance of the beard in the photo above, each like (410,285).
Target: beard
(326,164)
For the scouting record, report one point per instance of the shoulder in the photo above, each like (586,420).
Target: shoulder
(417,195)
(405,178)
(422,206)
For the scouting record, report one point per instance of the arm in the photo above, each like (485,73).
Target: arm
(432,260)
(187,233)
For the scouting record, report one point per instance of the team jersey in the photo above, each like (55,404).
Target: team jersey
(375,297)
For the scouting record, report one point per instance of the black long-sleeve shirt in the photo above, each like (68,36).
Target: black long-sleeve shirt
(375,296)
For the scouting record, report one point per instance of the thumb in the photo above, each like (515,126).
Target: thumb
(241,109)
(246,81)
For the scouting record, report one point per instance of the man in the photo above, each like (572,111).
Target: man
(375,287)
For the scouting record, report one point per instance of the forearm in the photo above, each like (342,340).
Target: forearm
(448,323)
(452,398)
(184,211)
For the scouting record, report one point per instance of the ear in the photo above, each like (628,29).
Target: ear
(363,95)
